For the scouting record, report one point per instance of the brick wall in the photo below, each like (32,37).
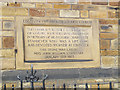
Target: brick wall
(104,12)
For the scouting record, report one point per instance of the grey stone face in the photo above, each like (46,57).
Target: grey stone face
(8,25)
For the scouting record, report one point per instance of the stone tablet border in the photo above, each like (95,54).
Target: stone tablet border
(33,21)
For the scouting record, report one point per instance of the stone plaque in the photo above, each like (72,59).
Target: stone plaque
(57,43)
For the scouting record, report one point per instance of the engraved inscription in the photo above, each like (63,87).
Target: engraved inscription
(57,21)
(57,43)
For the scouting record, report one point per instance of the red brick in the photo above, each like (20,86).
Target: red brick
(8,42)
(37,12)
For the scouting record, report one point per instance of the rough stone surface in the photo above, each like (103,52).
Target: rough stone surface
(37,12)
(102,8)
(8,42)
(82,86)
(110,79)
(117,60)
(77,7)
(9,85)
(7,25)
(109,52)
(116,85)
(114,44)
(43,5)
(14,4)
(69,13)
(0,25)
(55,1)
(84,14)
(119,36)
(71,1)
(52,13)
(3,4)
(106,28)
(7,18)
(100,2)
(26,84)
(84,2)
(114,2)
(104,86)
(84,7)
(9,65)
(7,53)
(30,5)
(0,42)
(62,6)
(14,11)
(105,44)
(108,61)
(21,11)
(113,14)
(27,1)
(109,28)
(115,28)
(7,33)
(98,80)
(107,21)
(98,14)
(119,44)
(0,11)
(108,35)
